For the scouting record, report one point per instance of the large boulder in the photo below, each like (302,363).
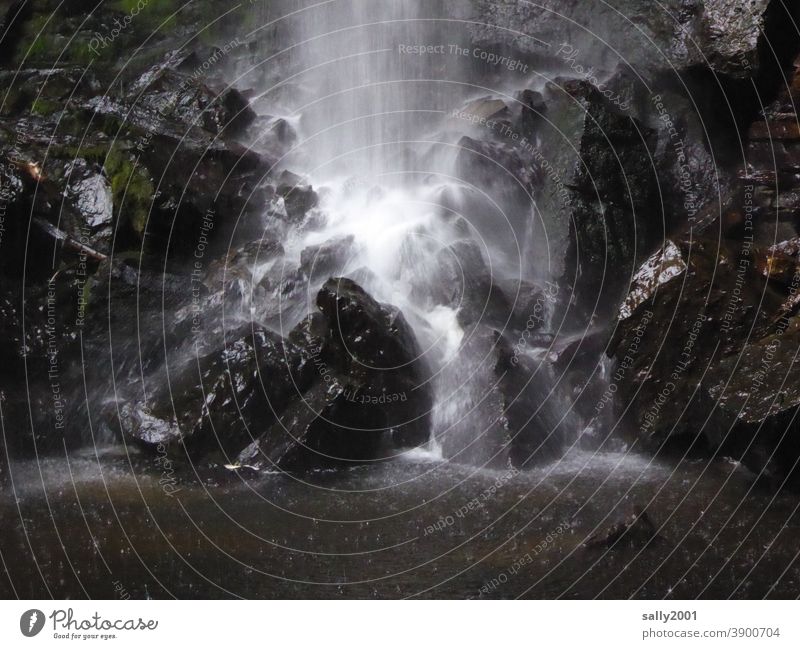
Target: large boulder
(370,394)
(756,399)
(347,385)
(597,198)
(222,401)
(567,168)
(181,181)
(704,352)
(375,349)
(497,407)
(463,281)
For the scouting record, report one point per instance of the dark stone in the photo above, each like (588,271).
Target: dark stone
(465,282)
(346,386)
(368,397)
(499,412)
(612,191)
(223,401)
(327,259)
(373,346)
(298,199)
(40,364)
(675,36)
(192,179)
(755,399)
(636,531)
(533,110)
(707,335)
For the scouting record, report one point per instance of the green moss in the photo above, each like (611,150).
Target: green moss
(41,38)
(44,107)
(46,34)
(131,188)
(151,16)
(46,39)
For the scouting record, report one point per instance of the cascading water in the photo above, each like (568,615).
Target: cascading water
(375,94)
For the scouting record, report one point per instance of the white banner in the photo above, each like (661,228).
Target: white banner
(386,625)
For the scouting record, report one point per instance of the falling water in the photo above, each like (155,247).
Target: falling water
(376,140)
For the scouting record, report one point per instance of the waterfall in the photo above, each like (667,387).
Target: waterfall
(371,89)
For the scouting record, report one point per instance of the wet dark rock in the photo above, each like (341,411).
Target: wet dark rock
(233,112)
(663,313)
(703,332)
(225,400)
(328,259)
(90,196)
(497,167)
(325,428)
(676,36)
(4,476)
(532,304)
(276,136)
(67,33)
(195,184)
(243,262)
(636,531)
(465,282)
(11,19)
(538,420)
(40,363)
(590,166)
(755,399)
(533,109)
(771,178)
(472,425)
(137,319)
(346,386)
(610,200)
(237,284)
(486,109)
(298,198)
(373,346)
(16,190)
(368,397)
(61,210)
(581,350)
(191,102)
(499,412)
(45,92)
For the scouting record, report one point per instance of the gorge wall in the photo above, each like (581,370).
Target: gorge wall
(642,156)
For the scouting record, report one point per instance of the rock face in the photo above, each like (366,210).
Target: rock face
(348,385)
(613,192)
(706,337)
(675,35)
(582,171)
(498,411)
(697,350)
(187,179)
(629,137)
(140,207)
(91,171)
(757,404)
(772,159)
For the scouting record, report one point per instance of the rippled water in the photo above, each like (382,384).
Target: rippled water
(416,527)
